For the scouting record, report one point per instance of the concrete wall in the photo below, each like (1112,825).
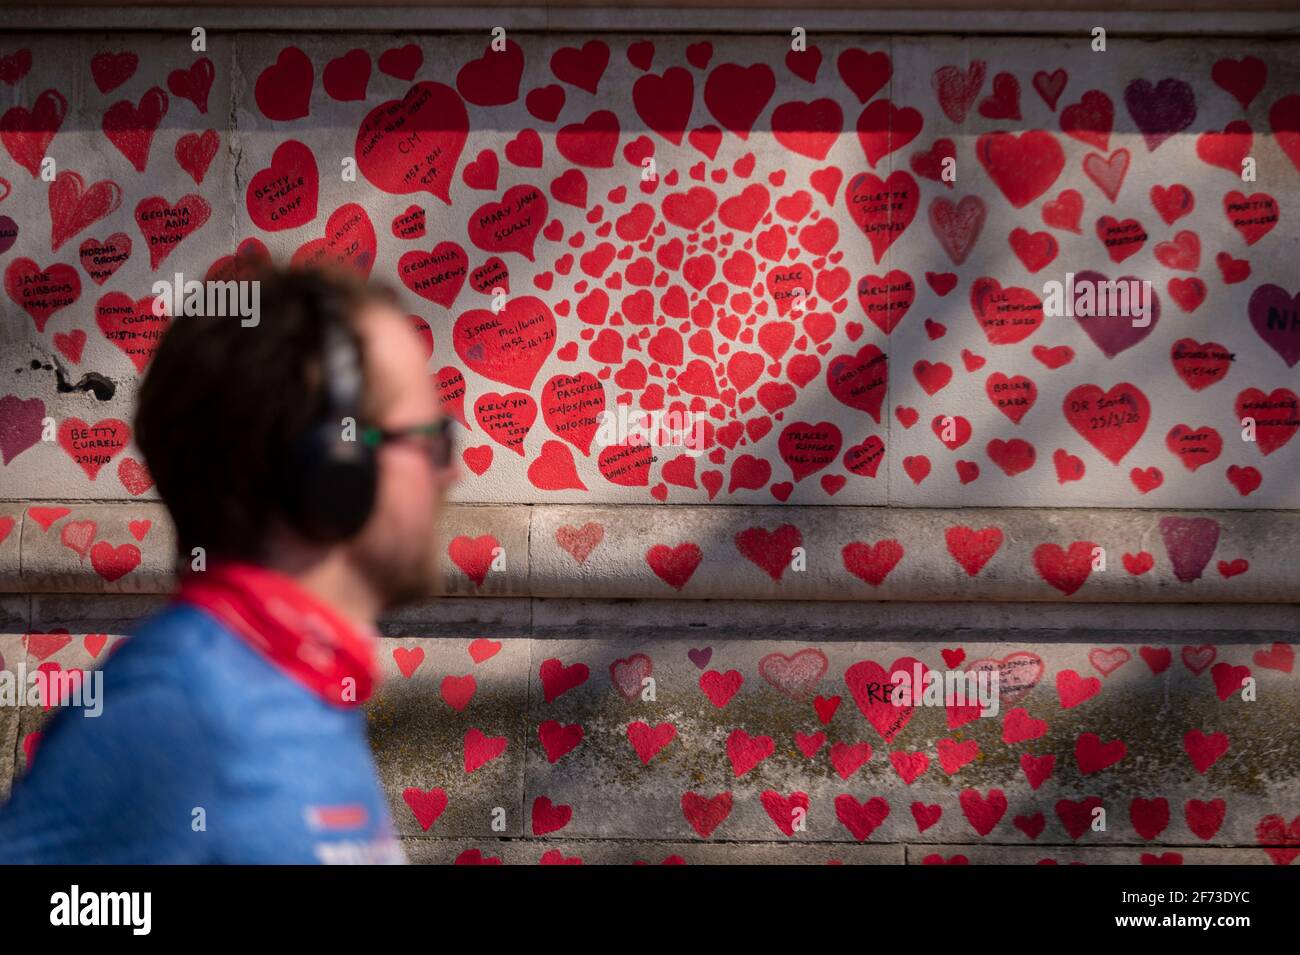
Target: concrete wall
(678,291)
(1136,556)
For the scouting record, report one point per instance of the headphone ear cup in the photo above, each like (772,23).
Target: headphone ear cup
(328,487)
(331,486)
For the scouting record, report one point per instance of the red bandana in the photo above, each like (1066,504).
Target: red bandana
(295,630)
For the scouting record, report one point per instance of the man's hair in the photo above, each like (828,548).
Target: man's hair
(223,405)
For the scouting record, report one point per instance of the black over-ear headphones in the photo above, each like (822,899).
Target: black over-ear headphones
(329,490)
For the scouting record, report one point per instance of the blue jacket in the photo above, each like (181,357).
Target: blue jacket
(205,752)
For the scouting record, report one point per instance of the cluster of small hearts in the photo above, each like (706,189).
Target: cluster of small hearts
(90,446)
(111,562)
(798,676)
(692,304)
(40,646)
(1190,544)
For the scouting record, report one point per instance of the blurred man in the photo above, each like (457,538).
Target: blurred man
(303,460)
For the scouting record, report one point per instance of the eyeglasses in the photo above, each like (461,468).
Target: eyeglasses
(437,437)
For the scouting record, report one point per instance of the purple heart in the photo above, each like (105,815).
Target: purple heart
(1162,110)
(1276,317)
(700,658)
(1113,333)
(1190,543)
(8,234)
(20,425)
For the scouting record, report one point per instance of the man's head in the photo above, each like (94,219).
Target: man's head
(230,418)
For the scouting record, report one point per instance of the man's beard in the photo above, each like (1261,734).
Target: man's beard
(401,578)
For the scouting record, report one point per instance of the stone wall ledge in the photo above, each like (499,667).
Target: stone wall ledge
(830,553)
(651,851)
(1154,733)
(1253,18)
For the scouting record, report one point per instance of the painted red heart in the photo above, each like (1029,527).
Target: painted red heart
(493,79)
(111,70)
(474,555)
(1284,120)
(736,95)
(283,196)
(808,129)
(93,446)
(972,549)
(1172,202)
(349,241)
(871,562)
(413,144)
(345,77)
(957,226)
(1243,78)
(283,89)
(865,74)
(131,128)
(195,151)
(131,325)
(1090,120)
(1007,315)
(1065,211)
(70,344)
(27,134)
(113,563)
(1121,239)
(1013,396)
(402,62)
(572,407)
(956,90)
(41,292)
(1111,421)
(1194,447)
(194,83)
(1022,166)
(884,128)
(512,224)
(882,209)
(509,347)
(885,299)
(425,806)
(664,102)
(591,142)
(74,207)
(1107,172)
(771,551)
(436,275)
(1065,569)
(1276,416)
(860,380)
(506,419)
(164,225)
(1050,86)
(871,684)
